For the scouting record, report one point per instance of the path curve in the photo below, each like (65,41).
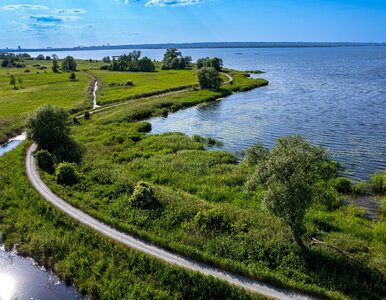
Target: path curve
(147,248)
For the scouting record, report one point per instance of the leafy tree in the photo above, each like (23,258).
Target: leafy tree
(54,56)
(72,76)
(209,78)
(48,57)
(55,66)
(40,57)
(173,60)
(69,64)
(12,81)
(216,63)
(106,59)
(48,127)
(255,154)
(132,63)
(290,173)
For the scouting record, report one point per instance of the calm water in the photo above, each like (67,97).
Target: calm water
(336,97)
(21,278)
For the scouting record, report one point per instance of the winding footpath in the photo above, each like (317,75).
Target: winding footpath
(147,248)
(126,239)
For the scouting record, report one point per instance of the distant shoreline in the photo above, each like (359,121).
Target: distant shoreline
(202,46)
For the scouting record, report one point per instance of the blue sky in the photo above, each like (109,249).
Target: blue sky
(42,23)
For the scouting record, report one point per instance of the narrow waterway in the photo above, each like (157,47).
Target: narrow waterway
(12,143)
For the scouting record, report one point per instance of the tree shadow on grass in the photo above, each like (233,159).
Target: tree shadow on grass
(351,277)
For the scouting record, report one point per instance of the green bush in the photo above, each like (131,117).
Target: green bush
(378,183)
(343,185)
(360,188)
(66,175)
(382,206)
(143,197)
(45,161)
(212,220)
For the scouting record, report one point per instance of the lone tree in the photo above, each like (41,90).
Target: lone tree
(72,76)
(69,64)
(48,127)
(12,81)
(209,78)
(289,173)
(55,66)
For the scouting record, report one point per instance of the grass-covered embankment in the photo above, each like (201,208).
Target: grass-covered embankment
(99,267)
(199,189)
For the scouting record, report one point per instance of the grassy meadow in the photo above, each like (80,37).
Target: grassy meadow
(40,86)
(194,185)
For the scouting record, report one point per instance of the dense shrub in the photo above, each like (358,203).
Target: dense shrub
(173,60)
(343,185)
(215,62)
(209,78)
(65,174)
(378,183)
(69,64)
(45,160)
(255,154)
(143,197)
(212,220)
(132,63)
(360,188)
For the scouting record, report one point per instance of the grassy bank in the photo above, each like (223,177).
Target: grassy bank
(98,267)
(192,185)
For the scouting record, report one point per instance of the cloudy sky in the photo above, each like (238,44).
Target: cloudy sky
(43,23)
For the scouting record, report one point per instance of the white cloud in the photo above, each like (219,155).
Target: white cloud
(70,11)
(53,19)
(173,3)
(24,7)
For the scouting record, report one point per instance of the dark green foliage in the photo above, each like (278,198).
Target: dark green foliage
(87,115)
(255,154)
(66,174)
(209,78)
(45,161)
(360,188)
(378,183)
(12,81)
(48,127)
(48,57)
(143,197)
(11,60)
(212,220)
(72,76)
(343,185)
(106,59)
(207,62)
(55,66)
(132,63)
(68,64)
(173,60)
(40,57)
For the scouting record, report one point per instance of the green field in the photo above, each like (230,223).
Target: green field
(39,86)
(190,181)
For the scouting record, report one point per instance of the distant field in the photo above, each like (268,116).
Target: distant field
(111,91)
(39,87)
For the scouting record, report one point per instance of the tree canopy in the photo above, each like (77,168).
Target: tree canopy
(69,64)
(215,62)
(173,60)
(209,78)
(48,127)
(132,63)
(289,173)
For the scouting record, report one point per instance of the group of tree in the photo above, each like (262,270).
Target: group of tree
(11,60)
(131,62)
(42,57)
(207,62)
(173,60)
(209,78)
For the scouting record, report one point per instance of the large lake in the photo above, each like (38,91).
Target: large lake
(335,97)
